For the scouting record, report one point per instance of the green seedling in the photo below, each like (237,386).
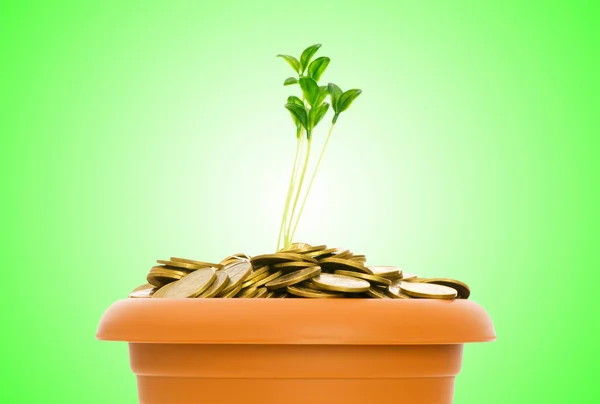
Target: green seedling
(306,114)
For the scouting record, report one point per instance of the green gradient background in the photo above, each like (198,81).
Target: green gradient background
(136,131)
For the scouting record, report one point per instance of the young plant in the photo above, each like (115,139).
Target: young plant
(340,102)
(306,114)
(299,143)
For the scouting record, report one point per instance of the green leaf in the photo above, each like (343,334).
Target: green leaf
(322,95)
(321,111)
(307,56)
(292,99)
(290,80)
(346,99)
(298,114)
(311,118)
(292,61)
(317,67)
(310,89)
(335,93)
(316,114)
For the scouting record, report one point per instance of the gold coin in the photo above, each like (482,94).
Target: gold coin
(235,258)
(427,290)
(293,277)
(262,293)
(270,259)
(217,286)
(308,284)
(311,249)
(300,291)
(167,275)
(463,290)
(232,293)
(143,291)
(258,272)
(237,273)
(328,252)
(161,292)
(377,293)
(333,264)
(142,287)
(359,258)
(248,293)
(295,247)
(342,253)
(373,279)
(293,250)
(255,279)
(162,269)
(386,272)
(311,271)
(397,282)
(229,262)
(241,256)
(395,292)
(177,264)
(192,285)
(201,264)
(268,279)
(287,267)
(160,279)
(341,283)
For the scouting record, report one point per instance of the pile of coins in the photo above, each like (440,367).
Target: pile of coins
(302,270)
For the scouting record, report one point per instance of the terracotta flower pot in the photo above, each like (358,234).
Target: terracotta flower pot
(265,351)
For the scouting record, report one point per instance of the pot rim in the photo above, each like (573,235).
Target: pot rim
(296,321)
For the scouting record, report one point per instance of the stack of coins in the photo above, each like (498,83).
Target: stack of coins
(302,270)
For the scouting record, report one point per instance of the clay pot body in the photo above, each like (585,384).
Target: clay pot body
(350,351)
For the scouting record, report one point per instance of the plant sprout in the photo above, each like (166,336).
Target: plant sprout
(306,114)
